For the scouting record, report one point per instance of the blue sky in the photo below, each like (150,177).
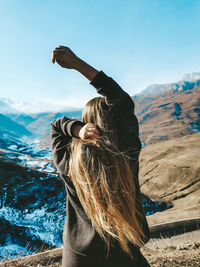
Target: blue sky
(137,42)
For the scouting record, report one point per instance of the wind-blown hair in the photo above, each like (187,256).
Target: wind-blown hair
(104,181)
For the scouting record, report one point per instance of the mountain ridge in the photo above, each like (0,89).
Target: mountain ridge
(186,84)
(13,127)
(171,105)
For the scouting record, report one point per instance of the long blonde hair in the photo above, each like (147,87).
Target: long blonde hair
(104,181)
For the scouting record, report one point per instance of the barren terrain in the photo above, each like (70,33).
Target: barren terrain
(178,251)
(168,115)
(170,172)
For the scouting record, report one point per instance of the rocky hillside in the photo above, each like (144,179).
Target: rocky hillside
(170,171)
(22,118)
(32,200)
(168,111)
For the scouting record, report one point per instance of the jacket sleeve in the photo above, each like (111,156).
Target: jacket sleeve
(107,87)
(61,134)
(118,99)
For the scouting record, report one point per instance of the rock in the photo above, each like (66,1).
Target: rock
(170,172)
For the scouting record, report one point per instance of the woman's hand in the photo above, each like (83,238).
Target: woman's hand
(65,57)
(88,131)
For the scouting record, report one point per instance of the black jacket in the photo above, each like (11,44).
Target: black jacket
(82,245)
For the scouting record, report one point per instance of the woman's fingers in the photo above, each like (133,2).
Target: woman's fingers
(92,135)
(58,52)
(70,60)
(93,130)
(53,58)
(55,55)
(89,131)
(61,46)
(60,62)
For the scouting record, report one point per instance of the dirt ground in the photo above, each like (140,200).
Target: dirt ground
(181,250)
(177,251)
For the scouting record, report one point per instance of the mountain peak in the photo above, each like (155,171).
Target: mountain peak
(189,82)
(191,77)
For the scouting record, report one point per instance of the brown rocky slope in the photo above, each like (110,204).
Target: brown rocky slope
(168,115)
(170,172)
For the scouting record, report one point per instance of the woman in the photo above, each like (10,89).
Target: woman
(98,161)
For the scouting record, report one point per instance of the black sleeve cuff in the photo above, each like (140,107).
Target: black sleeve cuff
(70,126)
(99,79)
(65,125)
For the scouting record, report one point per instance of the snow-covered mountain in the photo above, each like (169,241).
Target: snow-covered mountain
(191,77)
(6,106)
(188,82)
(9,106)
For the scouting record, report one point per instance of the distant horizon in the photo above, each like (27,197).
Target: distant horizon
(56,107)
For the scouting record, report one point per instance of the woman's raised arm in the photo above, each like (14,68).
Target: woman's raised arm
(106,86)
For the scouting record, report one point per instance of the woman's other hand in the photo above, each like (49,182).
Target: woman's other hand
(88,131)
(64,57)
